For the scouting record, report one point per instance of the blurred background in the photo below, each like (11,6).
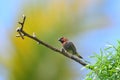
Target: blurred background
(89,24)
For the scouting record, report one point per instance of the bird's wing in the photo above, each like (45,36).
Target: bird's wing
(73,48)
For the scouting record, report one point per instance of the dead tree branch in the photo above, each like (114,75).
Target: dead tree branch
(22,33)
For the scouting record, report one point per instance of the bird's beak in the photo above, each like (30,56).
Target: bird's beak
(61,40)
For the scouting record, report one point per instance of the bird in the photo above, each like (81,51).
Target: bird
(69,46)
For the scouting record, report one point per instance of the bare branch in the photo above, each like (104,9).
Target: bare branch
(23,33)
(22,23)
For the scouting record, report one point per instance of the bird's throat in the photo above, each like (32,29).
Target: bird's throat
(64,43)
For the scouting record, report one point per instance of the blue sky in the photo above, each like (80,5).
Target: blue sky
(97,39)
(8,11)
(91,41)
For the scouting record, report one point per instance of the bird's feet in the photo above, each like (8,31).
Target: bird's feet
(63,50)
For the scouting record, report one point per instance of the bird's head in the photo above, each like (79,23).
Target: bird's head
(63,39)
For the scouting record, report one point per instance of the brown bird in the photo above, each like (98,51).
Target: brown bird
(69,46)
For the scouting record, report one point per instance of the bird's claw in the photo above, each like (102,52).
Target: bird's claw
(63,50)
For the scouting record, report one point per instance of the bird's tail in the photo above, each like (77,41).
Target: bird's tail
(79,56)
(82,58)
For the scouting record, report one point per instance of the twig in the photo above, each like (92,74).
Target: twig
(22,33)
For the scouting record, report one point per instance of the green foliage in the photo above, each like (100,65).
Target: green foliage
(107,66)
